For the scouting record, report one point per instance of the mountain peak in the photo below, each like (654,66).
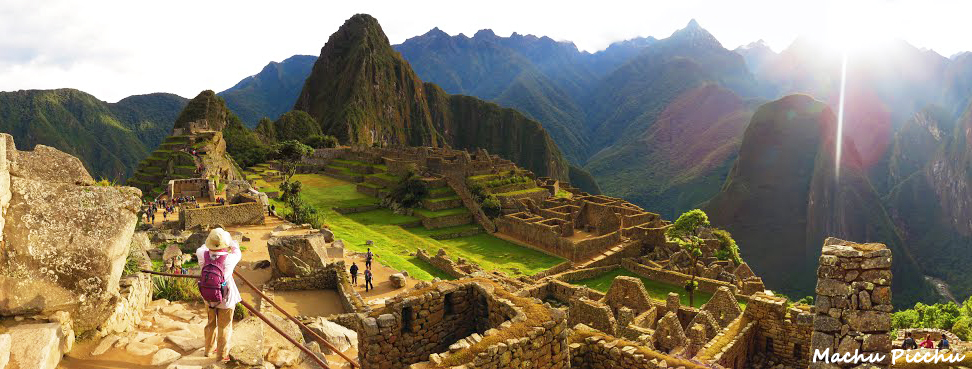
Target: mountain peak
(436,32)
(695,35)
(484,33)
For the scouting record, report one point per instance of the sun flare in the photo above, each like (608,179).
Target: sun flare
(857,26)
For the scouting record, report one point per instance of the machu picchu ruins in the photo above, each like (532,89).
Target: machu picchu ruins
(486,201)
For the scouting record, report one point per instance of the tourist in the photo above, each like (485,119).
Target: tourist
(927,343)
(368,285)
(943,344)
(219,254)
(909,342)
(354,273)
(368,258)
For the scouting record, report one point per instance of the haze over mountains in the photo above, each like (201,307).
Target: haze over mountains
(670,124)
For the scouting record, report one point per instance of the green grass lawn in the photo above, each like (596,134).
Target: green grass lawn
(441,213)
(393,244)
(656,290)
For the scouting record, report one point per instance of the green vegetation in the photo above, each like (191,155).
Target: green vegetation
(656,290)
(407,193)
(175,289)
(321,142)
(949,316)
(393,244)
(728,249)
(685,232)
(300,212)
(294,125)
(110,139)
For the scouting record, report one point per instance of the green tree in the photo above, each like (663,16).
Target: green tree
(728,249)
(686,233)
(290,153)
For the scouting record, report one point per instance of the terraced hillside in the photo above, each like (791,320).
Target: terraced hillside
(172,160)
(352,212)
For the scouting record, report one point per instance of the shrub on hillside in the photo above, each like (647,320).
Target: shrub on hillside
(321,142)
(407,193)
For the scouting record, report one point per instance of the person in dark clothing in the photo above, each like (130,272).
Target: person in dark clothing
(354,273)
(943,344)
(909,342)
(368,258)
(368,284)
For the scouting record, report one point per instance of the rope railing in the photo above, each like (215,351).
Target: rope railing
(262,317)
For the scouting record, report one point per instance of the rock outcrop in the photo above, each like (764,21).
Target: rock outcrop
(65,244)
(292,256)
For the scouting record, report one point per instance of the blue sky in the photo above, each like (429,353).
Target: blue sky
(113,49)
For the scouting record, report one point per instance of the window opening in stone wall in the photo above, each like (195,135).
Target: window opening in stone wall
(449,308)
(797,350)
(407,319)
(769,344)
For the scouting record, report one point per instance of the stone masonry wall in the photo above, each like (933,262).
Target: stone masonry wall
(674,278)
(592,350)
(408,331)
(853,304)
(226,215)
(783,336)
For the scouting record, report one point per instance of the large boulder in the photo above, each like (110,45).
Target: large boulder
(292,256)
(397,280)
(37,346)
(64,245)
(4,350)
(337,335)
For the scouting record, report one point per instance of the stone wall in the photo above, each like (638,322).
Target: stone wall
(853,304)
(674,278)
(334,276)
(594,314)
(408,331)
(735,351)
(593,350)
(447,221)
(201,188)
(559,268)
(442,262)
(782,335)
(529,229)
(225,215)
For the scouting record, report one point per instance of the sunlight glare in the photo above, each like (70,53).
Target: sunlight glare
(857,26)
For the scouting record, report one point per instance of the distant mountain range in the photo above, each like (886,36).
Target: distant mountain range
(109,138)
(669,124)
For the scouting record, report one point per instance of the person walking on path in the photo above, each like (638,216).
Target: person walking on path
(368,285)
(368,258)
(218,257)
(354,273)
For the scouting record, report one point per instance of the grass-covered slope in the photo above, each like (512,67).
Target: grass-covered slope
(682,158)
(783,197)
(109,144)
(270,93)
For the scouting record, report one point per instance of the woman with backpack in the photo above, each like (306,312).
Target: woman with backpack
(218,257)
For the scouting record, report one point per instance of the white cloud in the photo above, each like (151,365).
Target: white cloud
(114,48)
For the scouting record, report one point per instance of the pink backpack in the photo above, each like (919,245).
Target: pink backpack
(212,280)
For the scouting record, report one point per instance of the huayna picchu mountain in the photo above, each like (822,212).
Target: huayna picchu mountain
(784,196)
(363,92)
(197,147)
(109,139)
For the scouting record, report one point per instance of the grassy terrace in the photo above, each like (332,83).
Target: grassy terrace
(381,167)
(656,290)
(392,243)
(529,190)
(441,213)
(439,190)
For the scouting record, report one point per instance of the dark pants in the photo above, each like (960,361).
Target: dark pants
(368,285)
(368,264)
(354,279)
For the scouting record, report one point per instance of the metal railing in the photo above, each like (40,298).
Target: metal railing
(262,317)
